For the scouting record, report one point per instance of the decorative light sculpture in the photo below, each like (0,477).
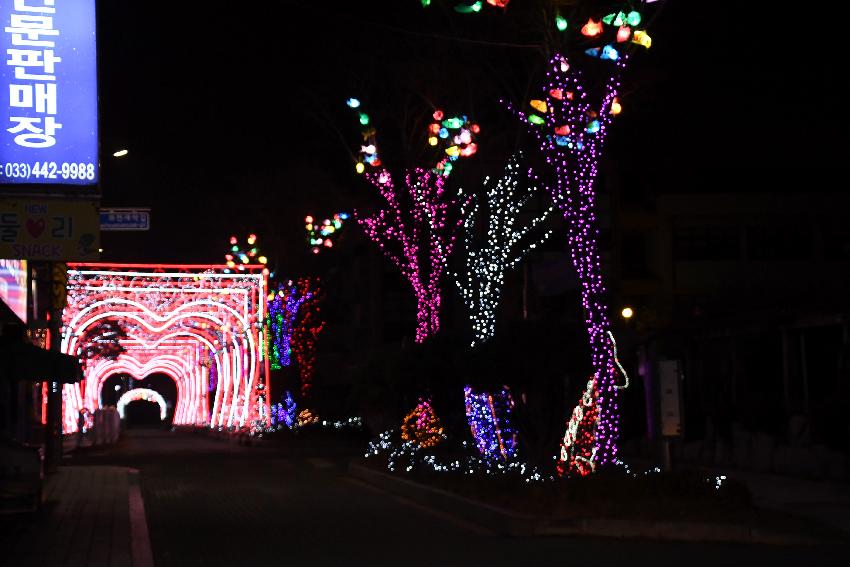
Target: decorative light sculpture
(488,261)
(574,159)
(422,426)
(579,446)
(284,413)
(489,417)
(180,321)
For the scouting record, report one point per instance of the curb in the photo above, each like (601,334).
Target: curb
(505,522)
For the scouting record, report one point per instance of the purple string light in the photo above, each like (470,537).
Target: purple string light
(571,135)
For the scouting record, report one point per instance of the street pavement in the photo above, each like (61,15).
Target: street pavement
(212,502)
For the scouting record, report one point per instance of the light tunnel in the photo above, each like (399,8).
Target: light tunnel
(145,394)
(204,328)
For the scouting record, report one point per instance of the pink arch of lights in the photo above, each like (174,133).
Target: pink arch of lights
(182,321)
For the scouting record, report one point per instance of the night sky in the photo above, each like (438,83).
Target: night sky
(235,118)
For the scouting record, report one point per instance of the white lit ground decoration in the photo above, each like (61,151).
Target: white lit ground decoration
(180,321)
(145,394)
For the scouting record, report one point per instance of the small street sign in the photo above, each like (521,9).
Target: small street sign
(125,219)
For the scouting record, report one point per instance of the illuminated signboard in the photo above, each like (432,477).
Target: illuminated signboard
(48,93)
(13,286)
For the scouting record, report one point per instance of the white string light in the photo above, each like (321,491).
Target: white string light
(487,262)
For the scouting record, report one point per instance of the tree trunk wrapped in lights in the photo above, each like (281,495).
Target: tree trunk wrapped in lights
(305,339)
(418,242)
(571,131)
(487,261)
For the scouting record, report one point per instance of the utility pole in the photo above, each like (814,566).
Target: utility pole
(53,428)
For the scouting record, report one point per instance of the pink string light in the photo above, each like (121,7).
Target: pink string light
(420,240)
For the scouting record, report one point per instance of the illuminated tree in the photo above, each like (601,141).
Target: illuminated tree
(417,228)
(283,309)
(419,241)
(305,336)
(571,130)
(489,260)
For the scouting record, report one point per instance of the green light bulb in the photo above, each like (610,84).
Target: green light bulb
(560,23)
(364,118)
(633,19)
(534,119)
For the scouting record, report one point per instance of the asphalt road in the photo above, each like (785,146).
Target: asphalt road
(210,502)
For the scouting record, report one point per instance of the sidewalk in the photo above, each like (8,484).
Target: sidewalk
(827,502)
(90,516)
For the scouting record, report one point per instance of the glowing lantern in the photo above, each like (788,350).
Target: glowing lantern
(464,9)
(534,119)
(615,107)
(475,128)
(593,127)
(432,141)
(444,133)
(233,240)
(623,34)
(262,260)
(438,115)
(617,19)
(469,150)
(308,218)
(562,130)
(453,123)
(564,66)
(499,3)
(453,151)
(465,137)
(642,38)
(360,168)
(539,106)
(562,140)
(426,3)
(434,128)
(364,118)
(557,93)
(370,149)
(633,19)
(609,53)
(591,28)
(353,103)
(560,23)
